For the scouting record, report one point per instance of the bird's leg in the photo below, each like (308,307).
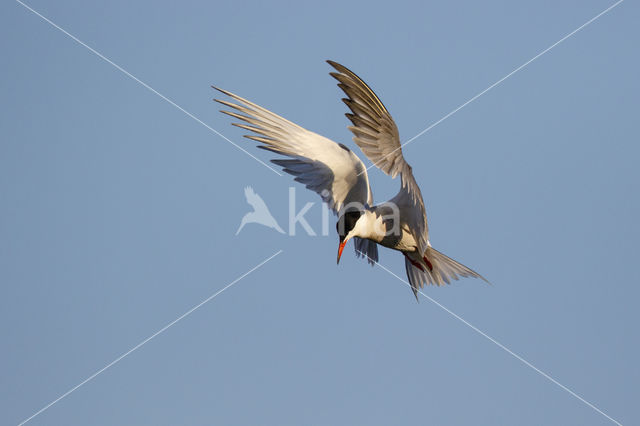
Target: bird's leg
(429,265)
(416,264)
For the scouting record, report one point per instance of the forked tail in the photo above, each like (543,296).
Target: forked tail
(437,269)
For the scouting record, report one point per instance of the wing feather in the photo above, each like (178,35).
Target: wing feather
(328,168)
(377,135)
(332,170)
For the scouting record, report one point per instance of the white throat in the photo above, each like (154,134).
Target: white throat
(369,226)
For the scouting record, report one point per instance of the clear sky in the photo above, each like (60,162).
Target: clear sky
(118,213)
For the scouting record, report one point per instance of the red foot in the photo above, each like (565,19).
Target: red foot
(428,263)
(417,265)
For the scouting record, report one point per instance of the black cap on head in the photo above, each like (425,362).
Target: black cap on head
(346,222)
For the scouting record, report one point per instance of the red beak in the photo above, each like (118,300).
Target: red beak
(340,248)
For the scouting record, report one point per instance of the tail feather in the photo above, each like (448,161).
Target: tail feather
(449,268)
(444,270)
(416,277)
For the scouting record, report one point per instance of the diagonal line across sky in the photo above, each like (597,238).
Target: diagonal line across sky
(435,123)
(145,341)
(504,348)
(145,85)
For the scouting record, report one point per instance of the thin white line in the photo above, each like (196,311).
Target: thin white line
(115,361)
(503,347)
(499,81)
(128,74)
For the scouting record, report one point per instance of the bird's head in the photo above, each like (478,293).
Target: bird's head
(347,227)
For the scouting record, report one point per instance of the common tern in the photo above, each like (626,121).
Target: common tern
(340,177)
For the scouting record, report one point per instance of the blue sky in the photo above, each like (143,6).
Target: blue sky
(118,214)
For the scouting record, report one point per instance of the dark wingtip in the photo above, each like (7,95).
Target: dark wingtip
(336,65)
(220,90)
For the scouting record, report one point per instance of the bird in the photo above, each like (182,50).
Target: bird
(340,177)
(260,213)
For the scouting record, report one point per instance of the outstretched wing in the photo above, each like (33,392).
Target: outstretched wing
(332,170)
(377,135)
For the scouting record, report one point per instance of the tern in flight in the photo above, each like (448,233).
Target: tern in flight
(337,174)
